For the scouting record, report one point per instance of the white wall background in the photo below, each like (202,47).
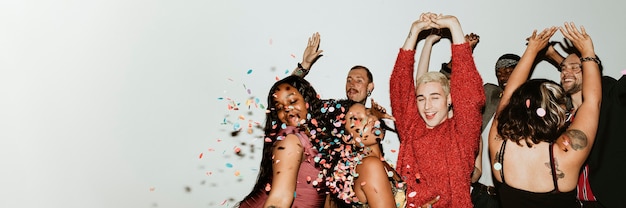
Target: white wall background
(110,103)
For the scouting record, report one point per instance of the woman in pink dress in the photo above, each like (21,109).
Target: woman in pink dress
(296,121)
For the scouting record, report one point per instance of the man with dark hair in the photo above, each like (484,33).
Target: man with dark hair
(359,83)
(601,178)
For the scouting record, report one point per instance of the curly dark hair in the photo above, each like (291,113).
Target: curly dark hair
(321,122)
(523,119)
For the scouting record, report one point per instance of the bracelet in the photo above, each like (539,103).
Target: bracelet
(301,71)
(594,59)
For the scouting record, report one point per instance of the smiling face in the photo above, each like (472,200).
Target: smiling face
(432,103)
(357,85)
(290,105)
(362,126)
(571,74)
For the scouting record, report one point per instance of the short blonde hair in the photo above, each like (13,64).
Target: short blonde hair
(434,77)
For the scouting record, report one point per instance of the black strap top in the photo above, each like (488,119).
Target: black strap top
(514,197)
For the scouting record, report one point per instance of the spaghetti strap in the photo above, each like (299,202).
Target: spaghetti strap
(501,160)
(553,167)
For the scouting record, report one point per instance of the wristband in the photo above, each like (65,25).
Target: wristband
(301,71)
(594,59)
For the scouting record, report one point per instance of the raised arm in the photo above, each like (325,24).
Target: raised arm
(424,61)
(451,22)
(536,42)
(401,83)
(285,164)
(423,23)
(583,129)
(553,56)
(311,54)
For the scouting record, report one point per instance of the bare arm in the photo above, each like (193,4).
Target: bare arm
(582,131)
(424,61)
(423,23)
(311,54)
(536,42)
(286,163)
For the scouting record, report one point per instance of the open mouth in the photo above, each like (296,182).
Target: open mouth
(430,115)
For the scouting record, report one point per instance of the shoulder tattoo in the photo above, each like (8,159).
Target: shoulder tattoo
(578,139)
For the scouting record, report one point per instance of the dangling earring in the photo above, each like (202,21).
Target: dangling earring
(369,93)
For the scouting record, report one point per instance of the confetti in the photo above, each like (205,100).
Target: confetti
(200,157)
(152,189)
(624,72)
(228,165)
(393,150)
(497,166)
(268,187)
(223,202)
(237,173)
(287,71)
(412,194)
(527,103)
(541,112)
(249,71)
(271,41)
(293,56)
(237,149)
(267,139)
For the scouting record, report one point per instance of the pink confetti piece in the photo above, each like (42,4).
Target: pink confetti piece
(200,157)
(541,112)
(152,189)
(271,41)
(223,202)
(293,56)
(412,194)
(267,139)
(237,149)
(277,78)
(209,173)
(527,103)
(219,140)
(393,150)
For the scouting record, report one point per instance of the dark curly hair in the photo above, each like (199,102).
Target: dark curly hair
(322,117)
(523,119)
